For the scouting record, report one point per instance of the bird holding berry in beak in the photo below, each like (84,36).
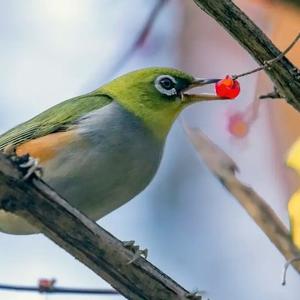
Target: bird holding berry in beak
(101,149)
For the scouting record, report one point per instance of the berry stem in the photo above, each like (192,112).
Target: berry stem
(268,63)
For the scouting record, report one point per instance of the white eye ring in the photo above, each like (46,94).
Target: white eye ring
(163,90)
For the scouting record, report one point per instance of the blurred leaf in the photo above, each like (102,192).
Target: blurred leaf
(294,214)
(293,161)
(224,168)
(293,158)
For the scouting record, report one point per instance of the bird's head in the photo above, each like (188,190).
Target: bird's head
(157,95)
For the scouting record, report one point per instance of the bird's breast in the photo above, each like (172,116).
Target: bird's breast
(114,158)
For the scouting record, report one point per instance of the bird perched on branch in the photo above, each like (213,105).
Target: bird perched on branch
(101,149)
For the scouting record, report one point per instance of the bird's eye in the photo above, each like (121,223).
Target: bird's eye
(166,85)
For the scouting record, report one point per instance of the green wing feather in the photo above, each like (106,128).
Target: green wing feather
(57,118)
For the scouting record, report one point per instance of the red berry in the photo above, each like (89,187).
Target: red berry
(227,88)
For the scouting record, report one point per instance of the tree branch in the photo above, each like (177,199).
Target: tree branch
(283,73)
(224,168)
(82,238)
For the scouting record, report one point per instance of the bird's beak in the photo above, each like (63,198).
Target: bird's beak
(199,82)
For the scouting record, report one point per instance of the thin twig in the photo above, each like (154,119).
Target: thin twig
(272,95)
(268,63)
(58,290)
(286,266)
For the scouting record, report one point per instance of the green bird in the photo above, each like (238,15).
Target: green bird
(101,149)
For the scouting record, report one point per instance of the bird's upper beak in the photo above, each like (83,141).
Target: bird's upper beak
(198,82)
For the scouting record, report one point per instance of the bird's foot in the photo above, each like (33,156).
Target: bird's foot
(130,245)
(30,166)
(27,164)
(296,73)
(286,266)
(194,295)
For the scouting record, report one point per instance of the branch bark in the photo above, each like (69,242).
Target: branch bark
(283,73)
(83,238)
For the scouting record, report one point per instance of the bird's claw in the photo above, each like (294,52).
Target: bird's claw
(138,254)
(296,73)
(27,164)
(32,167)
(130,245)
(194,295)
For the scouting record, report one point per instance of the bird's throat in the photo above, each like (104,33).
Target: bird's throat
(157,118)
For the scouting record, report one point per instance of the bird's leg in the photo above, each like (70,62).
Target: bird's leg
(130,245)
(27,164)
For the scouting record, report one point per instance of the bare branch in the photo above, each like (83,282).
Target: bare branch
(284,74)
(82,238)
(224,168)
(271,95)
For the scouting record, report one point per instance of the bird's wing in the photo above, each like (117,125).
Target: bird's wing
(58,118)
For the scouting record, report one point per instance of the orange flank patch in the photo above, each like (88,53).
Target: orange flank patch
(46,147)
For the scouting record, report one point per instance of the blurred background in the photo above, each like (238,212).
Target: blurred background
(195,231)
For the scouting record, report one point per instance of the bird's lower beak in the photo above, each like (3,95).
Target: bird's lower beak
(199,82)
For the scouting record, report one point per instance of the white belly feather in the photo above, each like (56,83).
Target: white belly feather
(115,159)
